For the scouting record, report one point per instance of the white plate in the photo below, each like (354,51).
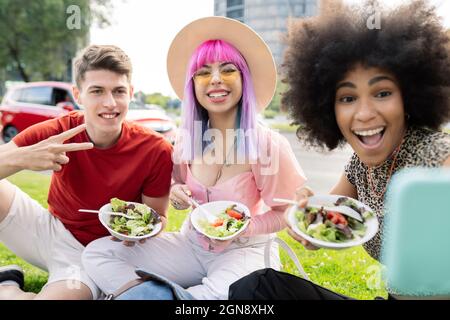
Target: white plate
(104,219)
(215,208)
(329,200)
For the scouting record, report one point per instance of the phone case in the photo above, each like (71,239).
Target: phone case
(416,233)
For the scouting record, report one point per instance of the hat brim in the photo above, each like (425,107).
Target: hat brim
(252,47)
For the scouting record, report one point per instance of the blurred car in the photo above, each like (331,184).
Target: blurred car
(153,117)
(29,103)
(153,107)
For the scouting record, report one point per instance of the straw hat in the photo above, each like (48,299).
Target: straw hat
(252,47)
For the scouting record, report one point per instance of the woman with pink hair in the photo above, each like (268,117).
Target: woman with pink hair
(224,73)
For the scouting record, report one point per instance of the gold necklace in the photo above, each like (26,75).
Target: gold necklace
(370,173)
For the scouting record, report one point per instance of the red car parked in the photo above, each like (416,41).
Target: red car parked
(153,117)
(30,103)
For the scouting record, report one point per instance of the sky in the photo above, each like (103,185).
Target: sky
(144,29)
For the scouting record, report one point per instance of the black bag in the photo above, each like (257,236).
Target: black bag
(269,284)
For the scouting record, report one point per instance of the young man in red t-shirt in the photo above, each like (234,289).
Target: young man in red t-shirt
(95,156)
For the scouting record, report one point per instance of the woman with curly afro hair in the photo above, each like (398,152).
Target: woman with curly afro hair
(384,91)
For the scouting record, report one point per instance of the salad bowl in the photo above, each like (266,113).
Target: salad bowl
(329,229)
(145,223)
(224,221)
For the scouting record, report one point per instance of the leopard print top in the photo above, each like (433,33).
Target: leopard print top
(421,148)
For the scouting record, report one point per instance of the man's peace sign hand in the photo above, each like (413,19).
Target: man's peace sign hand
(50,154)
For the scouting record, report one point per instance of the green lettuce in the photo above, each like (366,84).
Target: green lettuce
(142,225)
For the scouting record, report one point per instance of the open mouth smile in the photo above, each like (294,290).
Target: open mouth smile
(370,138)
(218,95)
(110,115)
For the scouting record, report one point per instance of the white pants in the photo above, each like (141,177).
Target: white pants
(36,236)
(178,257)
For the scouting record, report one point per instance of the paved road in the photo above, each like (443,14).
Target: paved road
(322,169)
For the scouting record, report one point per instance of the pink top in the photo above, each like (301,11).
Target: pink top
(276,174)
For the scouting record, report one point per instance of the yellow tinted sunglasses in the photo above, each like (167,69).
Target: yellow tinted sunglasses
(227,75)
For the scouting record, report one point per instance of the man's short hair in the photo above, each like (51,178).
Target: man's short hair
(102,57)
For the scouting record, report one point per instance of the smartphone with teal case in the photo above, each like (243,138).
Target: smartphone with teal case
(416,233)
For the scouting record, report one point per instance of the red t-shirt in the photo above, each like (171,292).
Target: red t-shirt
(139,163)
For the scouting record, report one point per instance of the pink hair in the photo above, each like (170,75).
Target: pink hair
(209,52)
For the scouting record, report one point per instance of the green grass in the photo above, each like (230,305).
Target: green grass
(36,185)
(351,272)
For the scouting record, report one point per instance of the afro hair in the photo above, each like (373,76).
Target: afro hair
(411,43)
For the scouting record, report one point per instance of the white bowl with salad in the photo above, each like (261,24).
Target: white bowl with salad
(224,219)
(325,228)
(146,222)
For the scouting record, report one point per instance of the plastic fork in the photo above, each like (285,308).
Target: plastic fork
(208,216)
(108,212)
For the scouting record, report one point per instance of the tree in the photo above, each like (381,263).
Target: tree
(157,98)
(36,41)
(275,104)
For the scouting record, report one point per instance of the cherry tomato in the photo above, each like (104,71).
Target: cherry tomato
(336,218)
(234,214)
(217,223)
